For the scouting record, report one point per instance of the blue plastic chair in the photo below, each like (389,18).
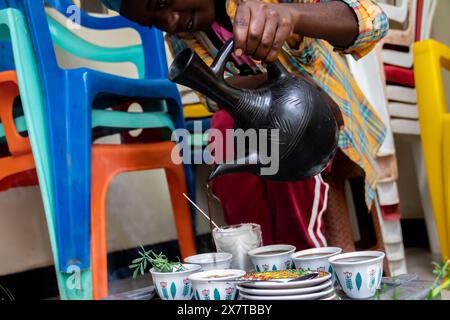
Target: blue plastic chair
(154,54)
(70,96)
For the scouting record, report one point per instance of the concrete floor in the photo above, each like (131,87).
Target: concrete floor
(419,261)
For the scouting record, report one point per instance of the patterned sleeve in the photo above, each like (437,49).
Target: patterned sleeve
(373,26)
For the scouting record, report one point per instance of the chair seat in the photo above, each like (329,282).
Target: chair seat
(403,110)
(399,76)
(23,179)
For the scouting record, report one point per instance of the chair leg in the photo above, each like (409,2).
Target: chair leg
(181,210)
(446,177)
(99,251)
(379,236)
(75,285)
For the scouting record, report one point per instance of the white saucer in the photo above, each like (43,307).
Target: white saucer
(310,296)
(284,292)
(285,284)
(331,297)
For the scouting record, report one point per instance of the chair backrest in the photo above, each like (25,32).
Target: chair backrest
(152,38)
(41,27)
(7,59)
(73,52)
(9,90)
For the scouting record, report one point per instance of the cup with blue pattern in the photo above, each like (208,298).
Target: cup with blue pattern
(175,285)
(216,284)
(359,273)
(272,258)
(316,259)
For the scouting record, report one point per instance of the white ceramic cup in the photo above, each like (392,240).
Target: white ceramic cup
(175,285)
(211,261)
(263,260)
(359,273)
(205,288)
(316,259)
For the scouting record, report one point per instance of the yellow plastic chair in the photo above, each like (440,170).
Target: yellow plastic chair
(429,57)
(196,111)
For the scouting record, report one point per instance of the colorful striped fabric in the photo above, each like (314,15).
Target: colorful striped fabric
(363,132)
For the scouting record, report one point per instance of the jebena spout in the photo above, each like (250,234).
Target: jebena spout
(190,71)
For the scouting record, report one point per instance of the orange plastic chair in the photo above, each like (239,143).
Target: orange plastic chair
(21,158)
(108,161)
(111,160)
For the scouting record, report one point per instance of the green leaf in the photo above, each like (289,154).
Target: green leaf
(145,264)
(132,266)
(135,273)
(358,281)
(138,260)
(173,290)
(197,296)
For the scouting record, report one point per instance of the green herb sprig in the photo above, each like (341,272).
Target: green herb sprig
(158,261)
(8,293)
(442,272)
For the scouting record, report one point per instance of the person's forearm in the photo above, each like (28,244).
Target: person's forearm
(332,21)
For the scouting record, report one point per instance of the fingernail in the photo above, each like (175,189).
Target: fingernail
(238,52)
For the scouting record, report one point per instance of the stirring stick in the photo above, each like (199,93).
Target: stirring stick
(201,211)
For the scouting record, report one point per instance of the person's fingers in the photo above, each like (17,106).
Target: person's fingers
(240,28)
(255,29)
(283,33)
(268,36)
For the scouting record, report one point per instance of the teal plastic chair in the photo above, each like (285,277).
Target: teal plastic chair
(116,119)
(13,28)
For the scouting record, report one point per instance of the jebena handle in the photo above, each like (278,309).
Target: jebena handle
(275,71)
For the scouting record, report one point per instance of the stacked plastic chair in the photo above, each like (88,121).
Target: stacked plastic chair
(397,55)
(62,151)
(430,57)
(368,74)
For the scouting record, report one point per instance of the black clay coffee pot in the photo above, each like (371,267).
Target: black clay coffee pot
(307,118)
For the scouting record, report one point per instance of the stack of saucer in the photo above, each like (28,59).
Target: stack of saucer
(281,288)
